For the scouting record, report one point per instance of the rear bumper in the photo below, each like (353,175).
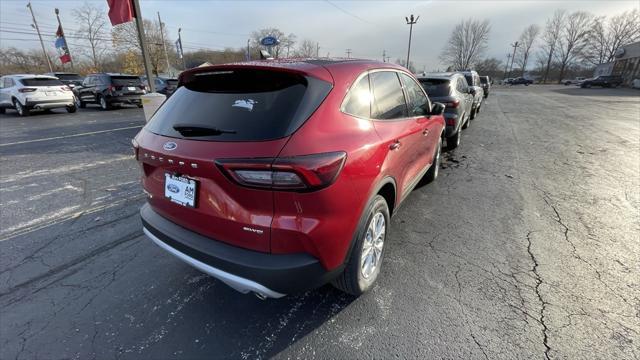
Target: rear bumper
(125,99)
(452,122)
(49,103)
(270,275)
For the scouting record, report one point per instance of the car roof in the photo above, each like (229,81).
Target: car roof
(31,76)
(114,74)
(317,67)
(444,75)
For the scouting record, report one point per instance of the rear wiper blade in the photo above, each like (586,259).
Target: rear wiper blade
(200,130)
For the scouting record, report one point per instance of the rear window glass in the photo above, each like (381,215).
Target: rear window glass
(41,82)
(69,77)
(469,80)
(125,80)
(435,87)
(388,98)
(358,100)
(242,104)
(483,80)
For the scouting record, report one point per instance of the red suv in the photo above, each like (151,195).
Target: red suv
(280,176)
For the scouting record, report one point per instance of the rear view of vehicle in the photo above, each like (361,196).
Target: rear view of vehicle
(450,89)
(261,177)
(475,89)
(108,90)
(34,92)
(485,81)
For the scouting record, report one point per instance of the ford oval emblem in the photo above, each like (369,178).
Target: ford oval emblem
(269,41)
(173,188)
(170,146)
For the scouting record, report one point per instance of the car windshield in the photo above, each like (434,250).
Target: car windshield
(243,104)
(126,80)
(70,77)
(483,80)
(41,82)
(435,87)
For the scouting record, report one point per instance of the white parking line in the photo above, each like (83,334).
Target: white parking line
(71,136)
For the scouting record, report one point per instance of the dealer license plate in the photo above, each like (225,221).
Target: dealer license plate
(180,190)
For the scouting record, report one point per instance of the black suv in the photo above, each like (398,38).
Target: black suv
(603,81)
(520,81)
(107,90)
(164,85)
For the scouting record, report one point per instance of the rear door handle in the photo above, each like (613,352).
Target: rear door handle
(425,132)
(395,145)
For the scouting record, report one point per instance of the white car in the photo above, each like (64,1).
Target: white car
(576,81)
(34,92)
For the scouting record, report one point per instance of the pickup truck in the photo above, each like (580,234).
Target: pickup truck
(577,81)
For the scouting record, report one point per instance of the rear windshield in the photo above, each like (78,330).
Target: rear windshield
(483,80)
(243,104)
(69,77)
(125,80)
(469,80)
(435,87)
(41,82)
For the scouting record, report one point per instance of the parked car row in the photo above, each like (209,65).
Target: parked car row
(28,92)
(284,174)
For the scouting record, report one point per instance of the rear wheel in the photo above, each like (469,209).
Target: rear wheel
(473,114)
(104,105)
(433,171)
(79,103)
(365,260)
(21,109)
(2,110)
(71,109)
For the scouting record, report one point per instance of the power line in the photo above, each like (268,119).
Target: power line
(348,13)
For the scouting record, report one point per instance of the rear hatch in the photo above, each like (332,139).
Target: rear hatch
(126,85)
(439,90)
(233,115)
(43,88)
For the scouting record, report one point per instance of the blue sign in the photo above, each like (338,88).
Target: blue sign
(269,41)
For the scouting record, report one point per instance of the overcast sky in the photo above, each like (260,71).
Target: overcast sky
(366,27)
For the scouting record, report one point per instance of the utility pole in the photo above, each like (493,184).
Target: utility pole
(249,53)
(64,38)
(410,21)
(143,46)
(384,55)
(184,64)
(35,26)
(318,49)
(164,44)
(506,66)
(515,46)
(348,53)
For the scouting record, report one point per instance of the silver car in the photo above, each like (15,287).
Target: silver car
(34,92)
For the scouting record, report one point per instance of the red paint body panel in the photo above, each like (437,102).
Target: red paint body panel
(322,222)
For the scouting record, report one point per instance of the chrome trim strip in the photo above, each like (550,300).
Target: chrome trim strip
(236,282)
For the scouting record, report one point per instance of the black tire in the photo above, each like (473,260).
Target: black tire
(139,106)
(2,110)
(71,109)
(473,114)
(104,104)
(434,170)
(21,109)
(453,141)
(80,104)
(352,280)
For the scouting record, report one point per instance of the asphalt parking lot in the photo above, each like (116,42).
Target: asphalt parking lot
(527,246)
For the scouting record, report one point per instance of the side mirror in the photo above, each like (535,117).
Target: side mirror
(437,108)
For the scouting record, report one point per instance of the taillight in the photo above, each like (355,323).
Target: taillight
(298,173)
(110,88)
(142,87)
(24,90)
(452,104)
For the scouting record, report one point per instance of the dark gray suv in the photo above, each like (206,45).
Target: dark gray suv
(452,90)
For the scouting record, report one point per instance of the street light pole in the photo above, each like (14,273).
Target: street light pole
(410,21)
(35,25)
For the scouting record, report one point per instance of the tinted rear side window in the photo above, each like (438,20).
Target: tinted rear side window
(125,80)
(248,104)
(41,82)
(69,77)
(436,87)
(483,80)
(388,98)
(358,100)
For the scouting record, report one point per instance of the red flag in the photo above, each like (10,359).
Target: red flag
(120,11)
(65,58)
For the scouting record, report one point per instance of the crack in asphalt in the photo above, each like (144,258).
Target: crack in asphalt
(466,318)
(541,320)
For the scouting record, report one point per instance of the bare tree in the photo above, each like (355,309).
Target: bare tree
(573,40)
(551,37)
(467,43)
(491,67)
(307,48)
(527,40)
(284,46)
(125,39)
(606,37)
(92,30)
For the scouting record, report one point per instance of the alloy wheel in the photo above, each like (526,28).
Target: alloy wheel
(372,245)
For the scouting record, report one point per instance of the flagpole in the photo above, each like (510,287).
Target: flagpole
(64,38)
(35,24)
(164,45)
(143,46)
